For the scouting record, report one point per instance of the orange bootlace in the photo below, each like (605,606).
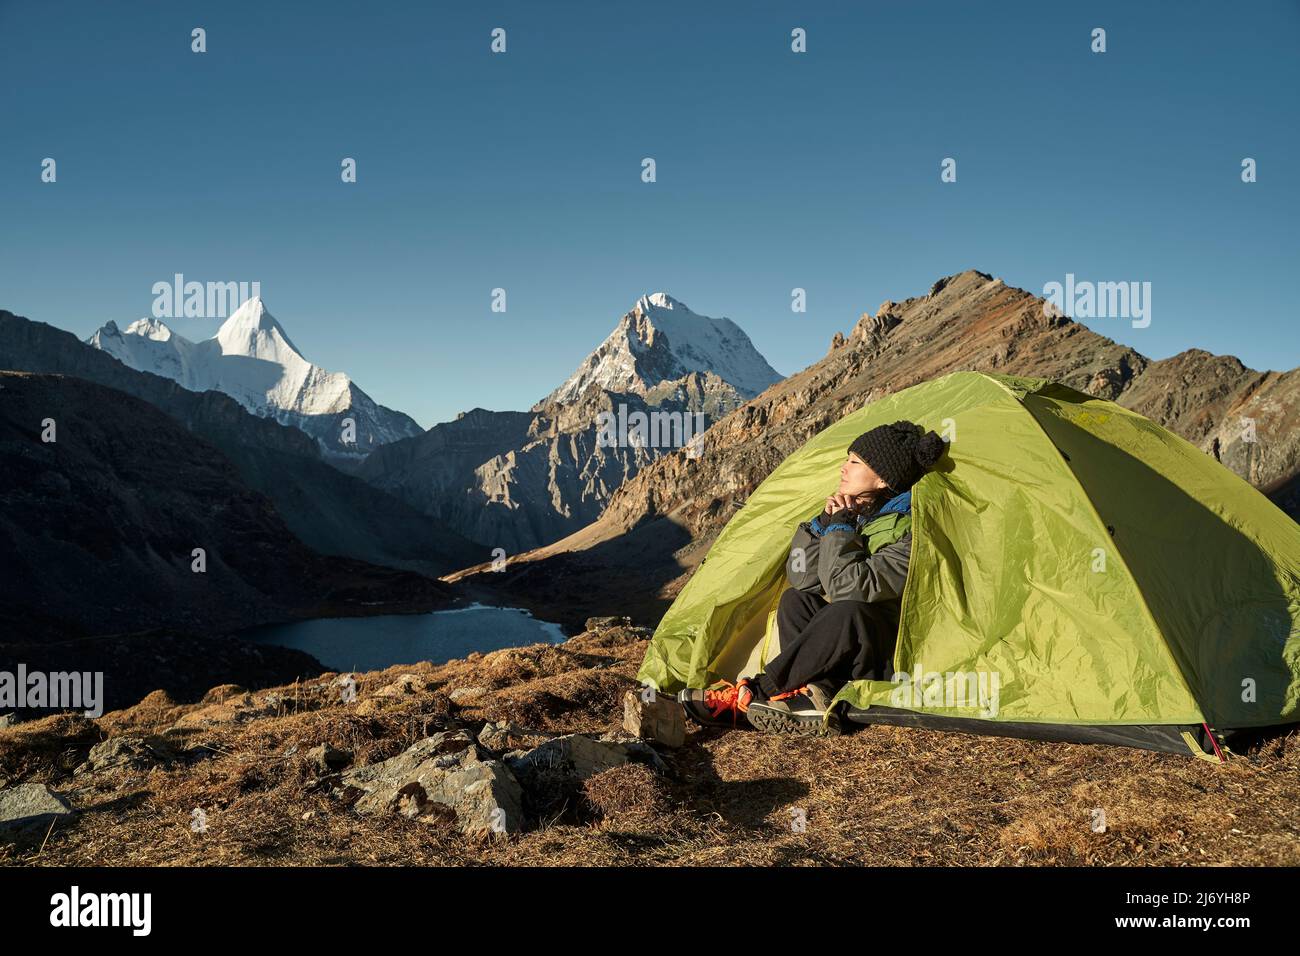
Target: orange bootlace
(789,693)
(726,698)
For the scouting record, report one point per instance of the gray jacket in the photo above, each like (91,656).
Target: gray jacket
(837,564)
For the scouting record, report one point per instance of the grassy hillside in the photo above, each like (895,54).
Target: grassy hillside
(878,796)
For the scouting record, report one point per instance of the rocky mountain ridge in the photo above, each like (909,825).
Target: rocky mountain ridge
(520,480)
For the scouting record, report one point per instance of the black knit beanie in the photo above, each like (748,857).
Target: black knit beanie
(899,453)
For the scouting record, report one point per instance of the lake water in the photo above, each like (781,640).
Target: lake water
(373,643)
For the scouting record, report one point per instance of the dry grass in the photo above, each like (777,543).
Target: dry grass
(879,796)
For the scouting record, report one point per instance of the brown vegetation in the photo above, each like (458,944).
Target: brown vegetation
(878,796)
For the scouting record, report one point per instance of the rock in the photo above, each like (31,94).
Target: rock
(873,329)
(448,769)
(603,623)
(574,755)
(131,752)
(461,695)
(329,759)
(496,736)
(505,736)
(661,718)
(275,701)
(404,686)
(30,805)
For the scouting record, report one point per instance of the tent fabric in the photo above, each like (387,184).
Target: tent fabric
(1073,563)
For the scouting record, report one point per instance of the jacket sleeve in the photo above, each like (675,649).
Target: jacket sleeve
(848,573)
(801,568)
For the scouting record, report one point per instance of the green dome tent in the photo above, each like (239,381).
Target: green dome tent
(1078,573)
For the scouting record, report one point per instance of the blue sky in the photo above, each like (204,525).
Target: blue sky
(775,170)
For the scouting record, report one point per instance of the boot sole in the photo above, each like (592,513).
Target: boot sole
(776,722)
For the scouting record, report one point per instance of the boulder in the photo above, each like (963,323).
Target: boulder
(448,770)
(30,805)
(131,752)
(461,695)
(659,718)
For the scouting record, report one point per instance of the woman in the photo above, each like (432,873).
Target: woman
(838,620)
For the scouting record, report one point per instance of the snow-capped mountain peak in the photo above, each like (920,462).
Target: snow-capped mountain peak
(281,383)
(661,340)
(659,300)
(149,328)
(251,330)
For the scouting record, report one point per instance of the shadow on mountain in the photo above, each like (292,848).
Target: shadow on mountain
(331,512)
(259,376)
(124,521)
(624,576)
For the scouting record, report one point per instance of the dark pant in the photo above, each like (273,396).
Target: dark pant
(828,644)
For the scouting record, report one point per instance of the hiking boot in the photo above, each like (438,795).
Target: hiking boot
(799,711)
(722,705)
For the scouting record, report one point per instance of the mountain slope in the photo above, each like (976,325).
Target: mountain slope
(252,360)
(329,511)
(99,527)
(518,480)
(658,526)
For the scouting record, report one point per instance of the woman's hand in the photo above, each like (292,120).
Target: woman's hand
(838,502)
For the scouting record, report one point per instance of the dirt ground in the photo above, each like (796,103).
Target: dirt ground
(878,796)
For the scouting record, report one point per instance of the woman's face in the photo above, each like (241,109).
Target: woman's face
(857,478)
